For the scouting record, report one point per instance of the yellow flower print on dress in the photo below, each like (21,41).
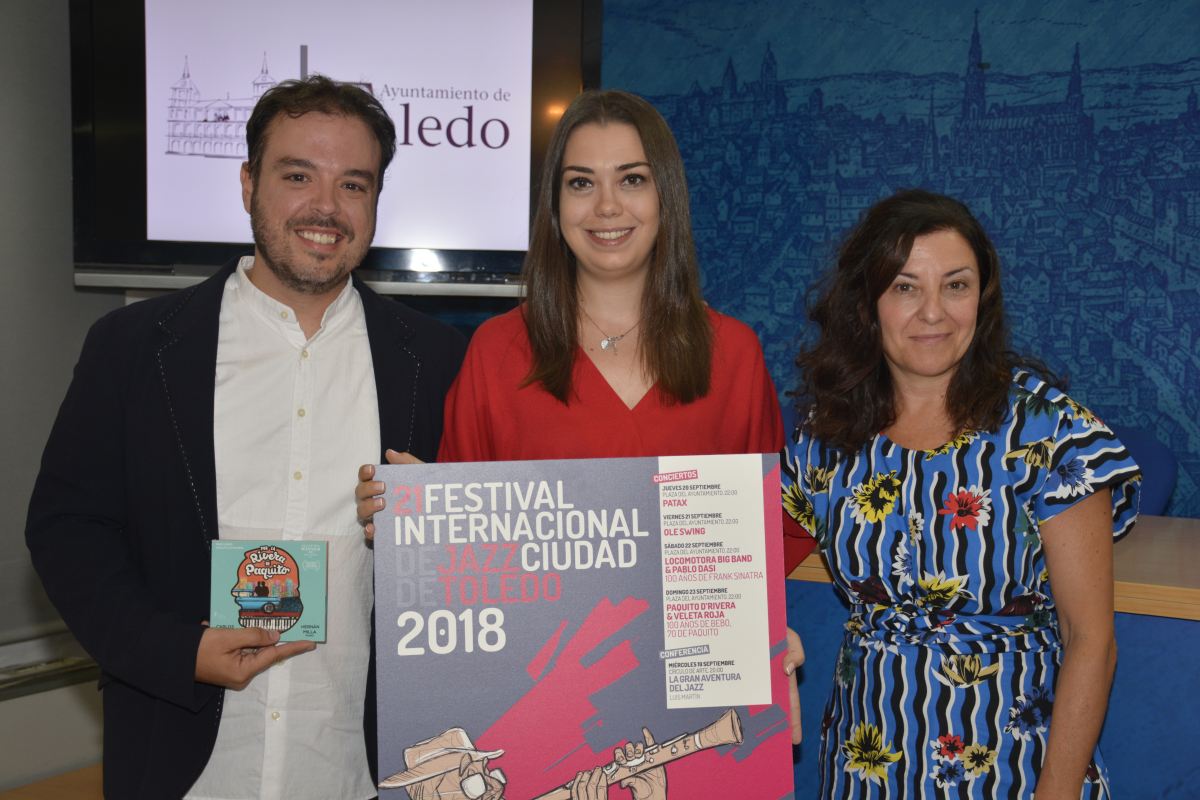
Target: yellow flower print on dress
(1082,414)
(889,484)
(867,754)
(978,759)
(799,507)
(961,440)
(964,671)
(955,762)
(876,499)
(938,591)
(817,479)
(1035,454)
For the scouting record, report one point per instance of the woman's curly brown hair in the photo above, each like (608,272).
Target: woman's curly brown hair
(846,395)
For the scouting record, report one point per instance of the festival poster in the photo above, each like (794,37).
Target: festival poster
(277,585)
(538,619)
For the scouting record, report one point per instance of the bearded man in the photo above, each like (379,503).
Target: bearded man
(242,408)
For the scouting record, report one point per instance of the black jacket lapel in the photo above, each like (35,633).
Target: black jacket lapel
(187,359)
(397,371)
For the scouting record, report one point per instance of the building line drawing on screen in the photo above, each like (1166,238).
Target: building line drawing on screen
(212,128)
(217,128)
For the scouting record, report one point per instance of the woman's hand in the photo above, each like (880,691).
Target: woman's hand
(368,495)
(791,661)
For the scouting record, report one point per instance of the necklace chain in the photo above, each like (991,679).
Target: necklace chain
(608,342)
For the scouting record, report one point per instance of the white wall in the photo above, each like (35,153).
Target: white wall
(49,733)
(42,322)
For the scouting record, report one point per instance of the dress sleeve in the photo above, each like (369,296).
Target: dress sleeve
(767,427)
(741,377)
(1088,457)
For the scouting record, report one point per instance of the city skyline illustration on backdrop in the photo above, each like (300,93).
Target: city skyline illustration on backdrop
(1087,177)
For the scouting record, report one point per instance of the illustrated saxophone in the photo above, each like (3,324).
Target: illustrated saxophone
(727,729)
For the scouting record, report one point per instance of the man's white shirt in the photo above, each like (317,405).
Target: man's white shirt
(293,420)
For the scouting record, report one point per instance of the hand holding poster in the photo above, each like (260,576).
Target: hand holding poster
(619,620)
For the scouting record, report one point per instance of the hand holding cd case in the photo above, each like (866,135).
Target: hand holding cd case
(271,584)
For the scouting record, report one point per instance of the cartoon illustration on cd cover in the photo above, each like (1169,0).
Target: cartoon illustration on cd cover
(265,584)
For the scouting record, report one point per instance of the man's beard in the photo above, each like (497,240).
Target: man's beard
(272,245)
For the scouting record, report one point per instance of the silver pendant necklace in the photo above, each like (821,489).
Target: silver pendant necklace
(608,342)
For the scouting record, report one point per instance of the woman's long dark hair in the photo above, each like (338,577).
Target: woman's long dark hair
(846,395)
(676,338)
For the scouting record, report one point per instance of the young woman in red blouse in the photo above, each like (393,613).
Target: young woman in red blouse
(614,352)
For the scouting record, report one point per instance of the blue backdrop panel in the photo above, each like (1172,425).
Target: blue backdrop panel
(1071,128)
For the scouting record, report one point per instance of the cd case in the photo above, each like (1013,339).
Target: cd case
(273,584)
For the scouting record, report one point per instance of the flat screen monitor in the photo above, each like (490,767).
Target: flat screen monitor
(162,89)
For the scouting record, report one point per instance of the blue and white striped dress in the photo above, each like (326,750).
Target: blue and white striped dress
(944,684)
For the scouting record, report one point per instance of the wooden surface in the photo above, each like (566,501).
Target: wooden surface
(81,784)
(1156,568)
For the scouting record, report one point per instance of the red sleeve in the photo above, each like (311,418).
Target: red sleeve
(768,432)
(742,386)
(797,543)
(765,433)
(768,429)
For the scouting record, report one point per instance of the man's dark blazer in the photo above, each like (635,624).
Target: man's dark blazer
(125,506)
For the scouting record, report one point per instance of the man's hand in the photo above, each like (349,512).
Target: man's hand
(231,657)
(791,661)
(368,495)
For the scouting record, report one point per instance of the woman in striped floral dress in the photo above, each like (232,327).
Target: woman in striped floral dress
(967,508)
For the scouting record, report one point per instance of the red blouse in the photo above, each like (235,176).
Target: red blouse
(491,417)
